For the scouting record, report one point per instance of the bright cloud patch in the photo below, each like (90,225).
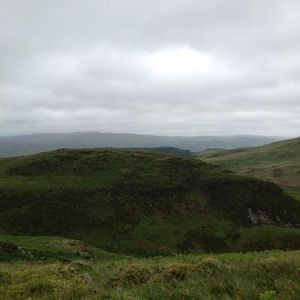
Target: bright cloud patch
(179,63)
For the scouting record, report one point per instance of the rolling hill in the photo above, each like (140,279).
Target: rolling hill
(135,202)
(278,162)
(36,143)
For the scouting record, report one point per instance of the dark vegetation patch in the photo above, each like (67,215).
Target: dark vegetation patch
(8,247)
(11,252)
(210,237)
(260,238)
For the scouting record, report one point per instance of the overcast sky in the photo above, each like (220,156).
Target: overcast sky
(169,67)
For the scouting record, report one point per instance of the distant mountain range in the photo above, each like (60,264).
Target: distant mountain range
(35,143)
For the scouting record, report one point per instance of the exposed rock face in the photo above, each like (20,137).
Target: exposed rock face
(259,217)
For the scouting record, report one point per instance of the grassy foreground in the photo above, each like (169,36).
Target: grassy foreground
(57,268)
(256,275)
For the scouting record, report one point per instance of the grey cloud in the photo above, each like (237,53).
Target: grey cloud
(81,65)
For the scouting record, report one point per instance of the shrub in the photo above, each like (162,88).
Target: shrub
(210,266)
(133,274)
(267,295)
(68,271)
(177,272)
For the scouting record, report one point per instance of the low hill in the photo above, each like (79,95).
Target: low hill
(139,202)
(278,162)
(36,143)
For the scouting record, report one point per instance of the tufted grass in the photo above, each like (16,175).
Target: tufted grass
(253,275)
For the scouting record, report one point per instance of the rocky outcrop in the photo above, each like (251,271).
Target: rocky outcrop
(259,217)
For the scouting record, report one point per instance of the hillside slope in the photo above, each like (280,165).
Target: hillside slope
(278,162)
(135,202)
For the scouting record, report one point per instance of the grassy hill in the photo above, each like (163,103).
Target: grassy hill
(278,162)
(143,203)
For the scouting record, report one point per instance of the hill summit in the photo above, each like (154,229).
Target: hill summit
(136,202)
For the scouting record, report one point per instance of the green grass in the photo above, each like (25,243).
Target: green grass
(253,275)
(293,191)
(263,237)
(43,248)
(132,202)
